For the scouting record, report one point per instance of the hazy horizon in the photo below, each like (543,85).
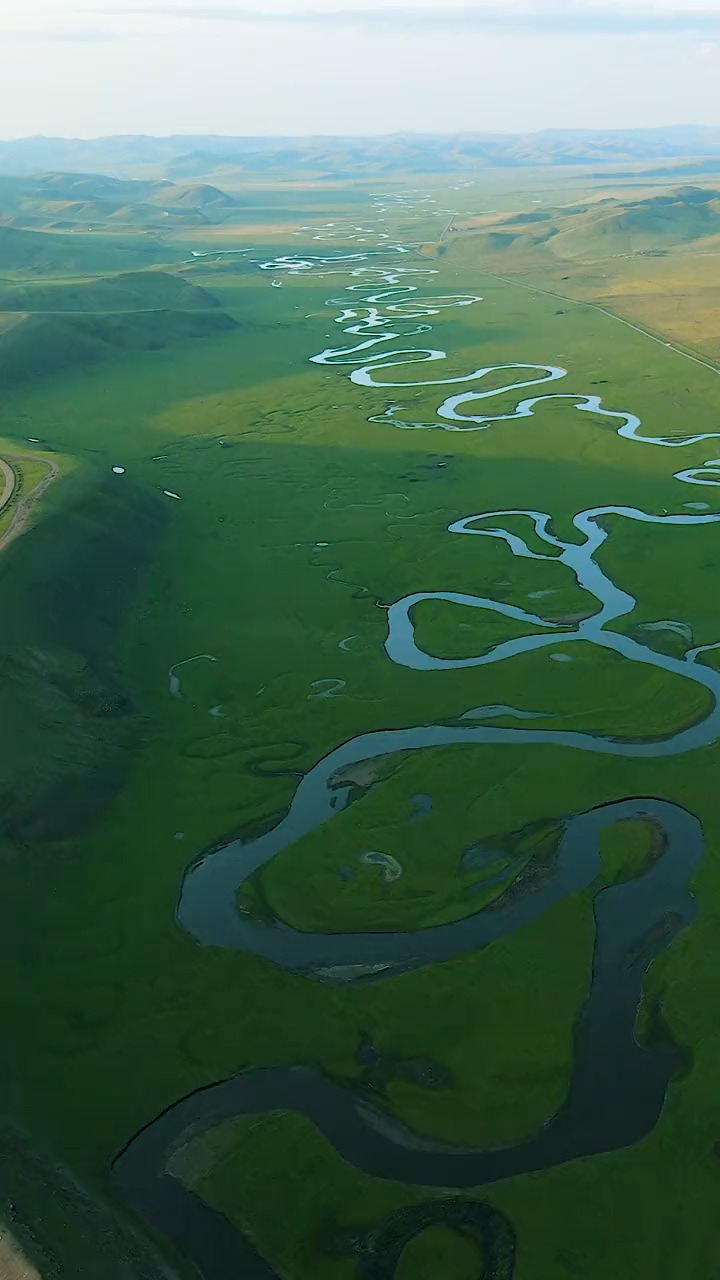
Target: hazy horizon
(379,134)
(327,67)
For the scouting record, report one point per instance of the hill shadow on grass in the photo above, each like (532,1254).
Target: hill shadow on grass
(65,590)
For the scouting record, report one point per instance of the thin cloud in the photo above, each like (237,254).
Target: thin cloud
(568,19)
(70,36)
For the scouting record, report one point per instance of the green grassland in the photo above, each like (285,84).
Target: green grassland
(70,323)
(628,849)
(328,1201)
(645,253)
(306,888)
(111,785)
(59,1227)
(48,344)
(629,1216)
(45,254)
(132,291)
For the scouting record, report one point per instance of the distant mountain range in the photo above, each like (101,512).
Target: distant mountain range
(188,157)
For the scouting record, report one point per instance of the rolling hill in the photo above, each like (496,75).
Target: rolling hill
(46,344)
(688,217)
(201,196)
(46,253)
(78,323)
(130,292)
(49,344)
(66,201)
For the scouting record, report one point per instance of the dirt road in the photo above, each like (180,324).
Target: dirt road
(25,505)
(14,1265)
(9,481)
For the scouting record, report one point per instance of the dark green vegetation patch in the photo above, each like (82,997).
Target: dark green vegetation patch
(76,724)
(84,322)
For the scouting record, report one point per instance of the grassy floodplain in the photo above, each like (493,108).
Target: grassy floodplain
(297,522)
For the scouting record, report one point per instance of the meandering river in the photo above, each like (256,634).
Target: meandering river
(618,1086)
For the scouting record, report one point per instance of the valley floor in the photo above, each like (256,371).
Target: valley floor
(409,624)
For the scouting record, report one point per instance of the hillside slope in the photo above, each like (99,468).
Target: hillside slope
(49,344)
(63,592)
(44,253)
(133,291)
(687,217)
(67,201)
(200,196)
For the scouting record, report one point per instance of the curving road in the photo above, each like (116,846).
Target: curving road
(611,315)
(25,505)
(9,483)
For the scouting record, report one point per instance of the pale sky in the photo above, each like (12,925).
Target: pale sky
(90,67)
